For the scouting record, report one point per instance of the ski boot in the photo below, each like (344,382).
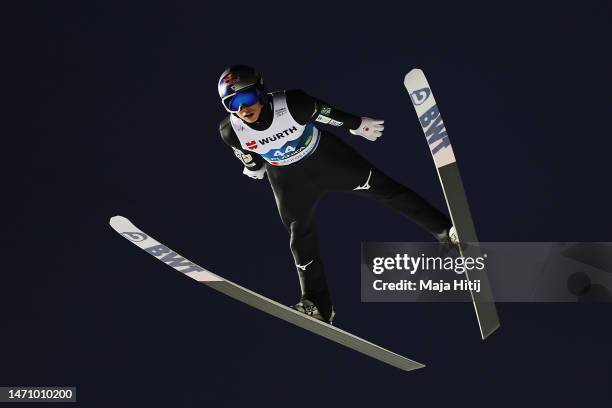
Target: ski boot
(308,308)
(450,240)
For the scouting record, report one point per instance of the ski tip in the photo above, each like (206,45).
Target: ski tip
(414,73)
(117,220)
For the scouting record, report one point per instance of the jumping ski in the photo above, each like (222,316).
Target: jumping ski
(129,231)
(430,119)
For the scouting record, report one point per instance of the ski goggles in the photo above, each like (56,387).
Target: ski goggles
(232,103)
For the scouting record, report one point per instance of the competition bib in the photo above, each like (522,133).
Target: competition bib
(284,142)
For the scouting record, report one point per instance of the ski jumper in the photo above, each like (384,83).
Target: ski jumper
(303,163)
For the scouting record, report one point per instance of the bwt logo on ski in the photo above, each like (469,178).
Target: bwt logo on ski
(420,95)
(164,253)
(173,259)
(434,129)
(135,236)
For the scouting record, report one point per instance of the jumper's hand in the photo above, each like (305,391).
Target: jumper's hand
(255,174)
(370,128)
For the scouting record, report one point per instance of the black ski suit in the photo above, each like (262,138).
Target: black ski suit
(333,166)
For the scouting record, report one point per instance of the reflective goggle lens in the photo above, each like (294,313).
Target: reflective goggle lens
(243,98)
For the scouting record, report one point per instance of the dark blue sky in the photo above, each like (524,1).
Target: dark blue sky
(113,110)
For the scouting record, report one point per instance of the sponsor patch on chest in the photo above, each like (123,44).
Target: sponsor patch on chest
(274,140)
